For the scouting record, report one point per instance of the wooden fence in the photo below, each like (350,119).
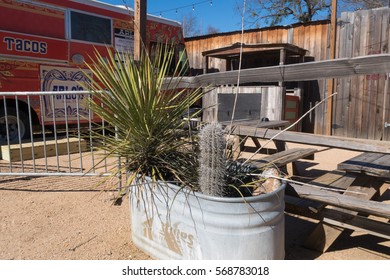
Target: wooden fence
(362,106)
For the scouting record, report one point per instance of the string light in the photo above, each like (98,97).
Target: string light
(183,7)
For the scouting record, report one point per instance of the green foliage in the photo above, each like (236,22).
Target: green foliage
(142,111)
(144,116)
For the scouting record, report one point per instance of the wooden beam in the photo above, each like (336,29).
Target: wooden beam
(282,61)
(336,218)
(39,148)
(283,158)
(352,144)
(335,199)
(364,188)
(205,64)
(140,7)
(318,70)
(332,55)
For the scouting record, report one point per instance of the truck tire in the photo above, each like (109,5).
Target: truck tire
(13,129)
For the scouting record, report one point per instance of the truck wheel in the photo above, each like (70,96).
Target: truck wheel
(13,130)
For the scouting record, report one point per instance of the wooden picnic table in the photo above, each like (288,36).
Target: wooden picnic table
(236,125)
(364,176)
(283,158)
(372,164)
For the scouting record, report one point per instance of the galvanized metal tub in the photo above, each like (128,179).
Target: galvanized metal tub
(171,223)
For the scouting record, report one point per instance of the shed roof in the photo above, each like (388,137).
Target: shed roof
(234,50)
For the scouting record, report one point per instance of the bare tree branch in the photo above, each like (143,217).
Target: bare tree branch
(272,12)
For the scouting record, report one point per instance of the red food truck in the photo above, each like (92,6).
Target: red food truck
(44,44)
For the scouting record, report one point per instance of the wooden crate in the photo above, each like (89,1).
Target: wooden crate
(12,153)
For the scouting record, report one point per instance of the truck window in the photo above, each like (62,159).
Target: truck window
(90,28)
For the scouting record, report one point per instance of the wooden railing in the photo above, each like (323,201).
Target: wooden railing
(337,68)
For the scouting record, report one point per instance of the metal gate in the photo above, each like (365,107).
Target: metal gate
(50,134)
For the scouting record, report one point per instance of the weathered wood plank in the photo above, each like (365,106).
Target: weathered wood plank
(381,46)
(282,158)
(334,217)
(356,85)
(352,222)
(336,68)
(371,89)
(346,202)
(364,188)
(341,106)
(317,140)
(61,145)
(386,114)
(335,180)
(374,164)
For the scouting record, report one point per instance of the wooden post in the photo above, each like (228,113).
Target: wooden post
(282,61)
(332,55)
(205,64)
(139,27)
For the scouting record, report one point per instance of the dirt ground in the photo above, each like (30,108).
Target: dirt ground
(61,218)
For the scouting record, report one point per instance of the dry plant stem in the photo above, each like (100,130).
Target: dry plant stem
(287,128)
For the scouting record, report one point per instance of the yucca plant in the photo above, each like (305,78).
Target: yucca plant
(144,109)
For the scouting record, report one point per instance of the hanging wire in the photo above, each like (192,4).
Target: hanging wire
(193,5)
(239,66)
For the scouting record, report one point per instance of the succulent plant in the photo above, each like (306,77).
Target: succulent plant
(212,160)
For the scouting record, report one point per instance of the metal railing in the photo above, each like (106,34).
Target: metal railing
(50,134)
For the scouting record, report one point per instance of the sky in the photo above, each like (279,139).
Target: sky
(219,14)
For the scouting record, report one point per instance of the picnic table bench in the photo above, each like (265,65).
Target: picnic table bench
(359,180)
(284,158)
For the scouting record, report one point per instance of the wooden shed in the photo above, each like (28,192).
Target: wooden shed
(255,55)
(256,100)
(266,47)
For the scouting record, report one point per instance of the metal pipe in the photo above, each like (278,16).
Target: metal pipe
(6,129)
(78,133)
(31,132)
(90,137)
(43,130)
(55,130)
(67,134)
(19,136)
